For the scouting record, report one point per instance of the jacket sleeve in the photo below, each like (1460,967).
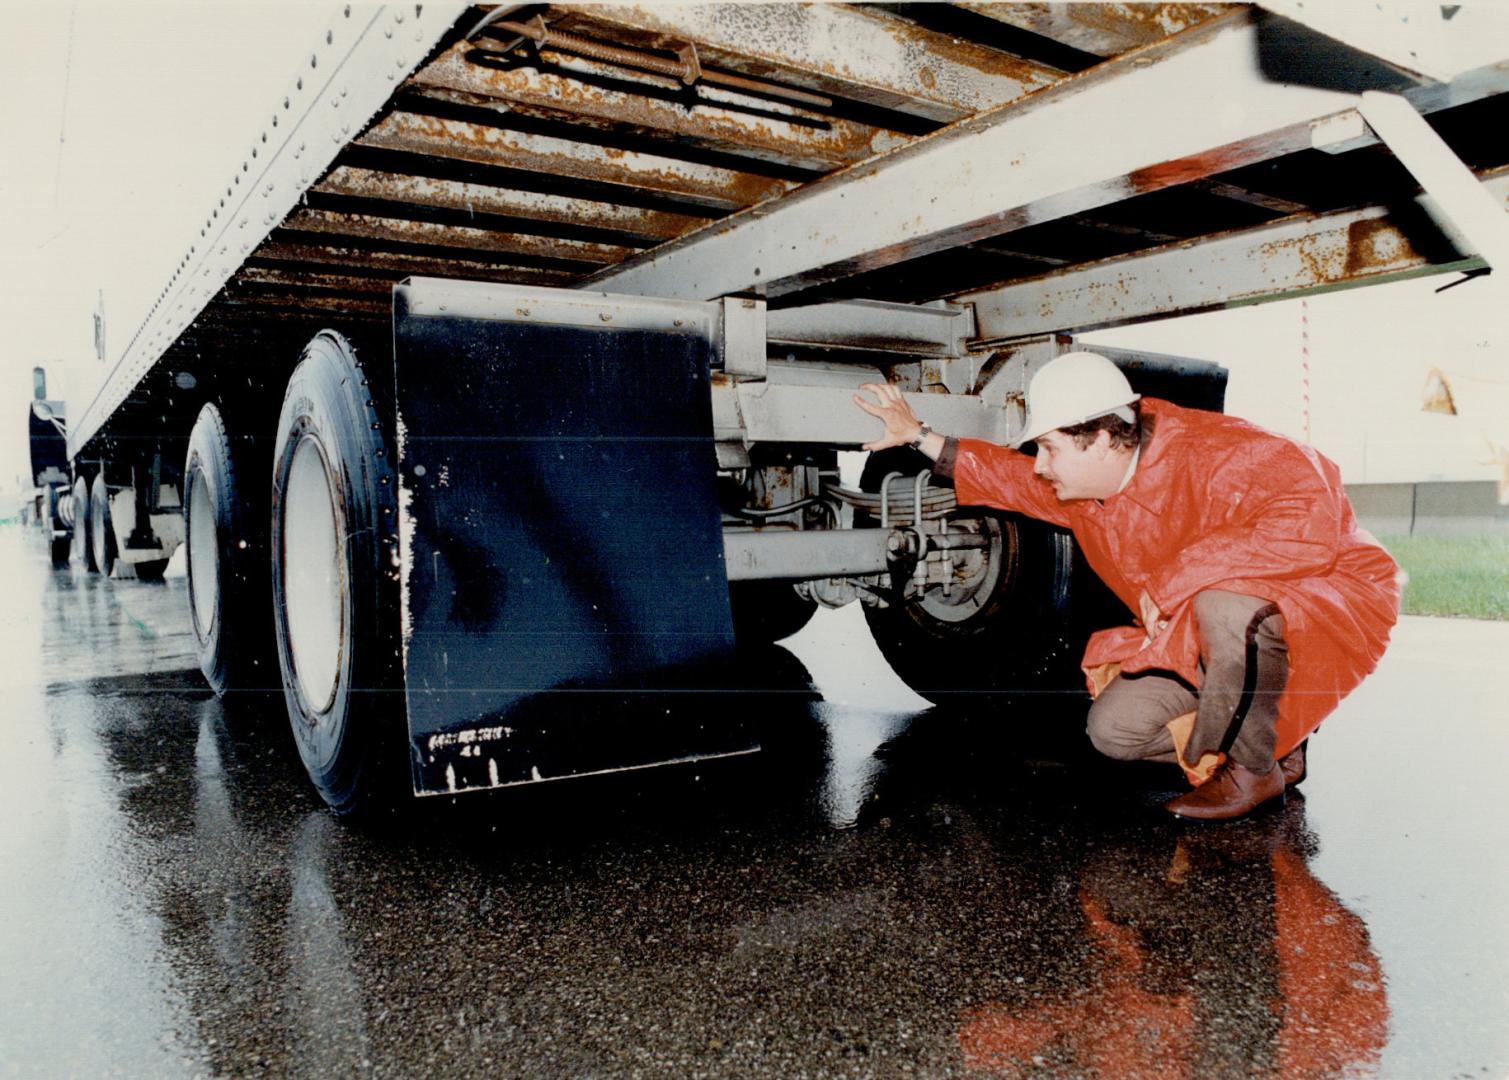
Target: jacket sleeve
(989,475)
(944,466)
(1282,522)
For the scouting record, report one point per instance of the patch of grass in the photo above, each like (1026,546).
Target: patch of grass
(1454,575)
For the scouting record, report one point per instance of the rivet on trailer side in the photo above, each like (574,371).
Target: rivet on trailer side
(468,236)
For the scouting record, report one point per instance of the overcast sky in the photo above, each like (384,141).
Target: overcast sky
(122,120)
(120,123)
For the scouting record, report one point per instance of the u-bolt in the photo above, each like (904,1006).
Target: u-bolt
(885,498)
(922,478)
(917,488)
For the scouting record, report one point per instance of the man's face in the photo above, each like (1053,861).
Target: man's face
(1079,472)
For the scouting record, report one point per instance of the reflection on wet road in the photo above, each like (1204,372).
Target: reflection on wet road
(883,892)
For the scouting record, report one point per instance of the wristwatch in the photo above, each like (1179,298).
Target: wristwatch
(923,431)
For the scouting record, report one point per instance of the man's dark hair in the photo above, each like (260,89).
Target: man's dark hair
(1124,436)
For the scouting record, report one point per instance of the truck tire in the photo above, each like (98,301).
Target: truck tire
(767,611)
(60,545)
(230,587)
(1014,633)
(335,579)
(81,551)
(101,526)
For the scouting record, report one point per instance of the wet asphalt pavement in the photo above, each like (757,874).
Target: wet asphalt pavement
(885,891)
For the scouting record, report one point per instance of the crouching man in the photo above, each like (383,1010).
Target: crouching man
(1261,602)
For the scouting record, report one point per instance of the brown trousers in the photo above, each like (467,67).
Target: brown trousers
(1244,664)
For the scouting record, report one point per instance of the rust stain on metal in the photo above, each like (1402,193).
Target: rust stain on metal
(1183,170)
(1142,24)
(307,279)
(699,184)
(807,139)
(1320,261)
(834,49)
(299,301)
(687,68)
(485,199)
(1373,244)
(372,227)
(292,254)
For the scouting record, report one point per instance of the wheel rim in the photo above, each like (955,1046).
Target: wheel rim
(971,591)
(204,555)
(313,577)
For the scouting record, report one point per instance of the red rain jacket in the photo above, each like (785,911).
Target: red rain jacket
(1218,503)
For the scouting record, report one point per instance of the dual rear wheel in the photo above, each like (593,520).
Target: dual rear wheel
(92,545)
(323,546)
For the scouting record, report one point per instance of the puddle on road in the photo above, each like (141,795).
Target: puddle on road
(957,892)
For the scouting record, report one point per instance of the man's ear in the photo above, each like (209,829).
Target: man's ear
(1102,444)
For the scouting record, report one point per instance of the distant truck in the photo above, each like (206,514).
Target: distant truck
(50,502)
(499,392)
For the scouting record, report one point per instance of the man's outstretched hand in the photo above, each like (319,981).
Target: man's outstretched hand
(901,424)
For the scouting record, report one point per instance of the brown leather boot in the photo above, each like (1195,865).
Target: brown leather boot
(1230,793)
(1293,765)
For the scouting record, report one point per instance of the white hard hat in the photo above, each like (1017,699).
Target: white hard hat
(1073,388)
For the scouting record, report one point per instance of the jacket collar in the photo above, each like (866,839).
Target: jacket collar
(1147,487)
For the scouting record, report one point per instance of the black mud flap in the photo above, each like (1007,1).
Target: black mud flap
(565,603)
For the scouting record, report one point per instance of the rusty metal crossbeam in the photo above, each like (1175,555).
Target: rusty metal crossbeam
(299,300)
(1006,169)
(686,67)
(290,254)
(310,279)
(577,90)
(830,48)
(334,224)
(1014,168)
(1292,257)
(488,199)
(637,172)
